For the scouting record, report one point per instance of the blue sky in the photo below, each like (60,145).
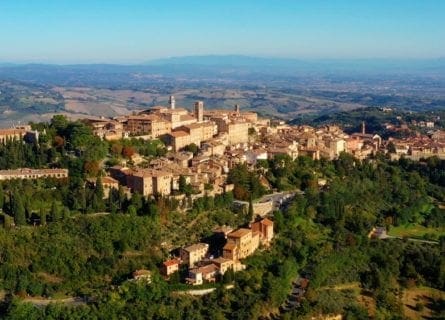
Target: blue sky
(84,31)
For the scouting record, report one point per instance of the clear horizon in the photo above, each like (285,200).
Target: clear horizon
(132,32)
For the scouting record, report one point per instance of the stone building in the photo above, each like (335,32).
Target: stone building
(16,133)
(240,244)
(265,229)
(25,173)
(149,182)
(169,267)
(145,124)
(194,253)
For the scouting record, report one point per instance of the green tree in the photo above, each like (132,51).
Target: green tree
(2,197)
(250,212)
(55,212)
(18,209)
(42,216)
(193,148)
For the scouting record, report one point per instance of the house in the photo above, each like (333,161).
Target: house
(169,267)
(207,273)
(265,229)
(192,254)
(240,244)
(223,264)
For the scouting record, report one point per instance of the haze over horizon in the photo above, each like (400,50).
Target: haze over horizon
(131,32)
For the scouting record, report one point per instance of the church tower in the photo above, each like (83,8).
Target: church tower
(172,102)
(199,111)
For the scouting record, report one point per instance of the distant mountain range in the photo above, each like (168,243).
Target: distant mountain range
(288,64)
(274,87)
(386,76)
(222,63)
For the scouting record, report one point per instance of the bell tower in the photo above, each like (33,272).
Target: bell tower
(172,102)
(199,111)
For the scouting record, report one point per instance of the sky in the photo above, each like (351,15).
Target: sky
(135,31)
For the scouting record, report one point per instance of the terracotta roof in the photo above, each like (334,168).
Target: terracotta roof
(196,246)
(229,246)
(178,134)
(150,173)
(108,179)
(199,125)
(223,229)
(171,262)
(208,268)
(150,117)
(221,260)
(187,117)
(267,222)
(239,233)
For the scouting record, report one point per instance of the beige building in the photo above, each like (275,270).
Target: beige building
(240,244)
(192,254)
(265,229)
(17,133)
(149,182)
(107,129)
(243,242)
(207,273)
(147,124)
(223,264)
(237,130)
(337,146)
(169,267)
(192,133)
(178,139)
(25,173)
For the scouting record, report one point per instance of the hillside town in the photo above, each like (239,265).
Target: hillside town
(202,147)
(224,139)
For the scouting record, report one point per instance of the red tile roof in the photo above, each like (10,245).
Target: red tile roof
(171,262)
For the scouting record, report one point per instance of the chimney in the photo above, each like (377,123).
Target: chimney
(363,127)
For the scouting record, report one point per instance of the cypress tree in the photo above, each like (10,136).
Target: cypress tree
(55,213)
(2,197)
(250,213)
(18,209)
(42,217)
